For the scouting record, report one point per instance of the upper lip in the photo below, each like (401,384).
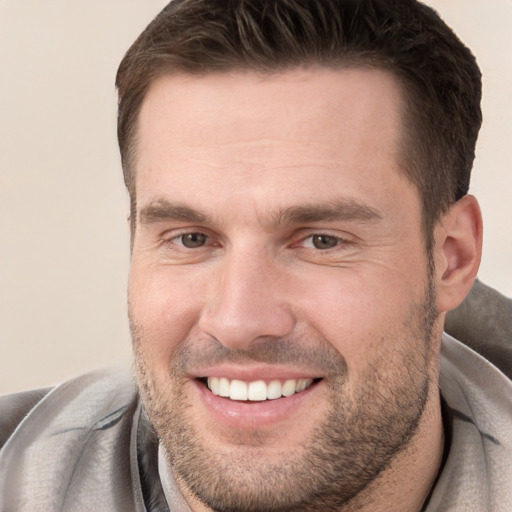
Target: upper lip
(250,373)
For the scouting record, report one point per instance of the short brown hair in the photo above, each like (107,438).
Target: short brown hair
(440,79)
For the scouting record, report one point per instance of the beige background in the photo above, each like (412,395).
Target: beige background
(63,231)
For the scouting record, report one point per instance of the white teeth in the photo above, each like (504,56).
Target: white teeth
(238,390)
(223,387)
(289,387)
(257,390)
(301,385)
(213,384)
(274,389)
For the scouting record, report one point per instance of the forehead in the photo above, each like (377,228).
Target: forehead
(290,131)
(273,101)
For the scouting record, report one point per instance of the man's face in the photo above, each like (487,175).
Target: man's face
(278,247)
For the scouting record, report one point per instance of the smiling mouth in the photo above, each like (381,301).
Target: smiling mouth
(258,390)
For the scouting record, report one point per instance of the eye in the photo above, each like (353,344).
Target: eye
(322,241)
(192,240)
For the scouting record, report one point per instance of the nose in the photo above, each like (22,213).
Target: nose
(246,302)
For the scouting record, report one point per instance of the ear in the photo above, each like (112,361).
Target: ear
(458,250)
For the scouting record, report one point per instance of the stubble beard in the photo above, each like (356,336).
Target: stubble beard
(358,439)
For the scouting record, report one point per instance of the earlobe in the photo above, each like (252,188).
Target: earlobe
(458,251)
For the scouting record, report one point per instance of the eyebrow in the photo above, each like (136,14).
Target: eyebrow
(343,210)
(163,210)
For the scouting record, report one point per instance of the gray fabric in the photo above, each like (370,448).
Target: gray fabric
(477,475)
(484,322)
(71,453)
(14,408)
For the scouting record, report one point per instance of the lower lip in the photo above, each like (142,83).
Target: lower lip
(250,415)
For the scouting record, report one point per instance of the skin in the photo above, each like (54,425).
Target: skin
(259,165)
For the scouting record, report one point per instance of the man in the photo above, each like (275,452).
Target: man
(298,175)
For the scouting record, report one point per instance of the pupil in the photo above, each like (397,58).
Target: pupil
(324,241)
(192,240)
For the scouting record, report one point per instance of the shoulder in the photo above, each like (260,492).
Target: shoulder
(484,323)
(478,422)
(15,407)
(63,442)
(87,398)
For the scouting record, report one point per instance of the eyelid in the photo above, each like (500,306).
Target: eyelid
(170,234)
(342,238)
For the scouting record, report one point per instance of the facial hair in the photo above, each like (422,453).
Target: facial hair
(358,439)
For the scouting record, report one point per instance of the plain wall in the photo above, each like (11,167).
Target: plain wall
(64,239)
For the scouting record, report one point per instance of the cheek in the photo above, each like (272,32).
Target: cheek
(163,311)
(356,312)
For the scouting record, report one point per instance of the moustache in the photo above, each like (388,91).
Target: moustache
(319,358)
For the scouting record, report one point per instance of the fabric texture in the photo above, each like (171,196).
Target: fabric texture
(484,323)
(476,476)
(87,444)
